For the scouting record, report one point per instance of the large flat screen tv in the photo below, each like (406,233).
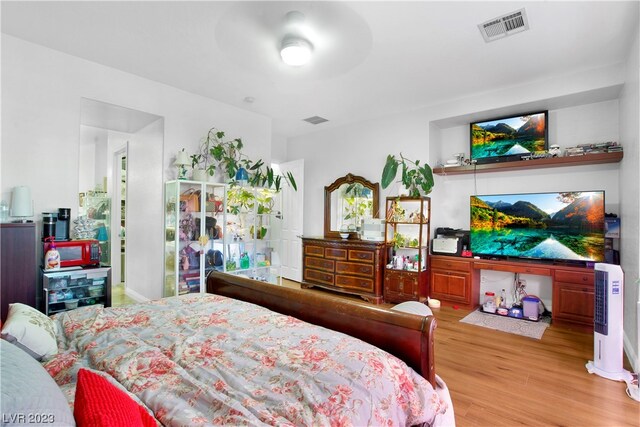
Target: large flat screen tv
(508,138)
(566,226)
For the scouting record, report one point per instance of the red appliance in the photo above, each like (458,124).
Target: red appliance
(77,252)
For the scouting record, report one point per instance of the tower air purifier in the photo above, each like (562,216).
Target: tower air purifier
(608,333)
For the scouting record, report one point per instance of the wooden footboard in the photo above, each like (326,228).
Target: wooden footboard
(406,336)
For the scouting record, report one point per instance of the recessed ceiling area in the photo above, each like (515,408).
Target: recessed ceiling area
(370,58)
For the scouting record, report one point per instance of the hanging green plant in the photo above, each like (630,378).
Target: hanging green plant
(227,155)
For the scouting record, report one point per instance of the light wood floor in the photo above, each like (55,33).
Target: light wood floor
(501,379)
(496,378)
(118,296)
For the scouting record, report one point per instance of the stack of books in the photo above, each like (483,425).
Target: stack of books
(601,147)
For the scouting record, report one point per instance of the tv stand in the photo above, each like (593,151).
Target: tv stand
(456,281)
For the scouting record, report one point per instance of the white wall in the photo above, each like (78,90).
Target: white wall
(583,108)
(360,149)
(145,233)
(41,93)
(278,149)
(429,135)
(90,137)
(629,203)
(569,126)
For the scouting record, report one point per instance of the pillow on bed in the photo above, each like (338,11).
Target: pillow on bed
(99,403)
(29,394)
(30,330)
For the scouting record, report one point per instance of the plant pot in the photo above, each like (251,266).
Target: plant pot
(200,175)
(217,177)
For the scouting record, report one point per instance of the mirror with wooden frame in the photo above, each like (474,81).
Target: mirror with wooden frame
(347,201)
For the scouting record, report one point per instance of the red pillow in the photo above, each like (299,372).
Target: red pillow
(100,403)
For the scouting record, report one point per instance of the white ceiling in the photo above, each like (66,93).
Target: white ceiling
(370,58)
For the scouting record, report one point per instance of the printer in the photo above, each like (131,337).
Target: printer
(449,241)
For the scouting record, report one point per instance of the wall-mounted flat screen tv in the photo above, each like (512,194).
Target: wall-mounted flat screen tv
(565,226)
(509,138)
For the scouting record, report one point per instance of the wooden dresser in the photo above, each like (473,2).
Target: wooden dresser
(348,266)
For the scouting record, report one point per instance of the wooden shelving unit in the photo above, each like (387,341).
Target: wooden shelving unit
(587,159)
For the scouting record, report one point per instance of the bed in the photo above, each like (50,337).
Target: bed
(237,356)
(410,338)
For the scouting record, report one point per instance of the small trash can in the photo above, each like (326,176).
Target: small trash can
(530,307)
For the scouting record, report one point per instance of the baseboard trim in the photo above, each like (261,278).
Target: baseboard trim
(632,356)
(135,296)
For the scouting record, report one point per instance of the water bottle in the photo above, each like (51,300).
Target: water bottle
(503,299)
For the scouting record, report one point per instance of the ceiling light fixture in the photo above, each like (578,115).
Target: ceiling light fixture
(295,51)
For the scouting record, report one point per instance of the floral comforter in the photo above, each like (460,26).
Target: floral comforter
(209,360)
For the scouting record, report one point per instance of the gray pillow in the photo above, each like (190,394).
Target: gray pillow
(29,395)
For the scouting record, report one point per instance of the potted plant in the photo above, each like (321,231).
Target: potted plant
(199,167)
(356,204)
(227,155)
(206,160)
(416,177)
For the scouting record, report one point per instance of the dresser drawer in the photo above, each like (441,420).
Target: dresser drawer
(319,263)
(354,268)
(314,250)
(358,255)
(450,264)
(342,265)
(578,277)
(318,276)
(334,253)
(351,282)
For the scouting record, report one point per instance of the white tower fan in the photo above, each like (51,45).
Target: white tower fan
(608,340)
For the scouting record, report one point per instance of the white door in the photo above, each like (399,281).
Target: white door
(292,210)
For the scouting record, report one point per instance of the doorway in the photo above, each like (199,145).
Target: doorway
(118,226)
(112,141)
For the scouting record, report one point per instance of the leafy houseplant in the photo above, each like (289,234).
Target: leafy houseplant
(417,178)
(213,152)
(356,203)
(228,156)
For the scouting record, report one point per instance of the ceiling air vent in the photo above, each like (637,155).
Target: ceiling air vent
(505,25)
(315,120)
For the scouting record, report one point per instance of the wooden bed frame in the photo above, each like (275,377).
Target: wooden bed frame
(406,336)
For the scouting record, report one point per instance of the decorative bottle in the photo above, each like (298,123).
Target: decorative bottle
(244,261)
(503,299)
